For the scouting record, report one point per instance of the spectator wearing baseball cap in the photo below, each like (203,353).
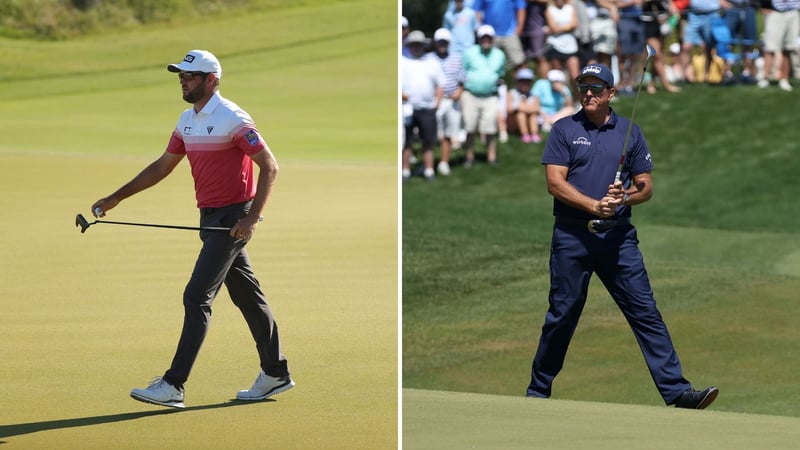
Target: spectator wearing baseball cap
(507,20)
(555,99)
(484,66)
(448,114)
(488,32)
(422,88)
(523,107)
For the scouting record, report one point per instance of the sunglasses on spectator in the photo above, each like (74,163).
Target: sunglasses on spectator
(189,76)
(596,88)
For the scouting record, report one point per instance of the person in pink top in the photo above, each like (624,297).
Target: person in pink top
(222,144)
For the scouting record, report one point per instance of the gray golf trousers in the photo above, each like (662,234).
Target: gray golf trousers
(223,259)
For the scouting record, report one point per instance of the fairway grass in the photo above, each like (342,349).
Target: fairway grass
(437,420)
(87,317)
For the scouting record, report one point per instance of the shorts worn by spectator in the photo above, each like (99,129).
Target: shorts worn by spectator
(422,82)
(523,107)
(484,65)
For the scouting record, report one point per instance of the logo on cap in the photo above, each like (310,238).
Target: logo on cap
(189,58)
(591,69)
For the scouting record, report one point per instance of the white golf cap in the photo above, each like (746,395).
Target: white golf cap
(485,30)
(198,61)
(416,37)
(403,22)
(442,34)
(556,75)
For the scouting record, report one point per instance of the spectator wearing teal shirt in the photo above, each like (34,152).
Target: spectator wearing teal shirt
(554,97)
(484,66)
(507,17)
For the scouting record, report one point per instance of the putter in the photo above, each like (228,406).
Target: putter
(650,52)
(81,221)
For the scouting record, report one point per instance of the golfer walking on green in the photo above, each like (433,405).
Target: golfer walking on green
(221,143)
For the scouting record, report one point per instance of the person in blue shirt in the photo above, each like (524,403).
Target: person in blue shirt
(507,17)
(593,234)
(461,21)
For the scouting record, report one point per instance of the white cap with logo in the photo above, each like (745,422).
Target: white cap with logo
(198,61)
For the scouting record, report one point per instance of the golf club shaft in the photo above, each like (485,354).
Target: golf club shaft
(650,52)
(173,227)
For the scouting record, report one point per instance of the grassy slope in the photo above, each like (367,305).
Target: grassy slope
(719,238)
(87,317)
(278,66)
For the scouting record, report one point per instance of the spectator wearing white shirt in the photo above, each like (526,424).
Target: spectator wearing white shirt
(422,89)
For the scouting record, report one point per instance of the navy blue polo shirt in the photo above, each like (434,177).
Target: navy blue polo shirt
(592,155)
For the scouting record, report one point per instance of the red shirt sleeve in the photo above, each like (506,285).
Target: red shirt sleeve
(248,140)
(176,145)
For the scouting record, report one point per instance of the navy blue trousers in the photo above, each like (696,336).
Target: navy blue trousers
(224,260)
(614,256)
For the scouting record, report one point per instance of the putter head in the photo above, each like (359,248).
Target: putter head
(81,222)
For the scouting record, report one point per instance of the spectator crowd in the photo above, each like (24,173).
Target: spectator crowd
(496,67)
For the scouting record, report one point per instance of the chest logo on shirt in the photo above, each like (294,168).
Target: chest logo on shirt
(210,128)
(252,137)
(187,131)
(582,141)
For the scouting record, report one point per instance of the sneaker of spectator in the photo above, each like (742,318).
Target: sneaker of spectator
(443,168)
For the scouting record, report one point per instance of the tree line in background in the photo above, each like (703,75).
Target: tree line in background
(425,15)
(61,19)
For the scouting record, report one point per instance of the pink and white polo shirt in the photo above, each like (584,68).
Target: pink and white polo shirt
(218,141)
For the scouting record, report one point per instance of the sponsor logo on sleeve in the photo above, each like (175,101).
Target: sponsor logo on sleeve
(252,137)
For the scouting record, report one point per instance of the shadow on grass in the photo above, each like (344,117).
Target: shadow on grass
(34,427)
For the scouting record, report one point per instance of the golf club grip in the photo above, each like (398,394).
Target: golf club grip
(172,227)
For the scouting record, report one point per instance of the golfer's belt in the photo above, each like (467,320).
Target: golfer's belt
(594,225)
